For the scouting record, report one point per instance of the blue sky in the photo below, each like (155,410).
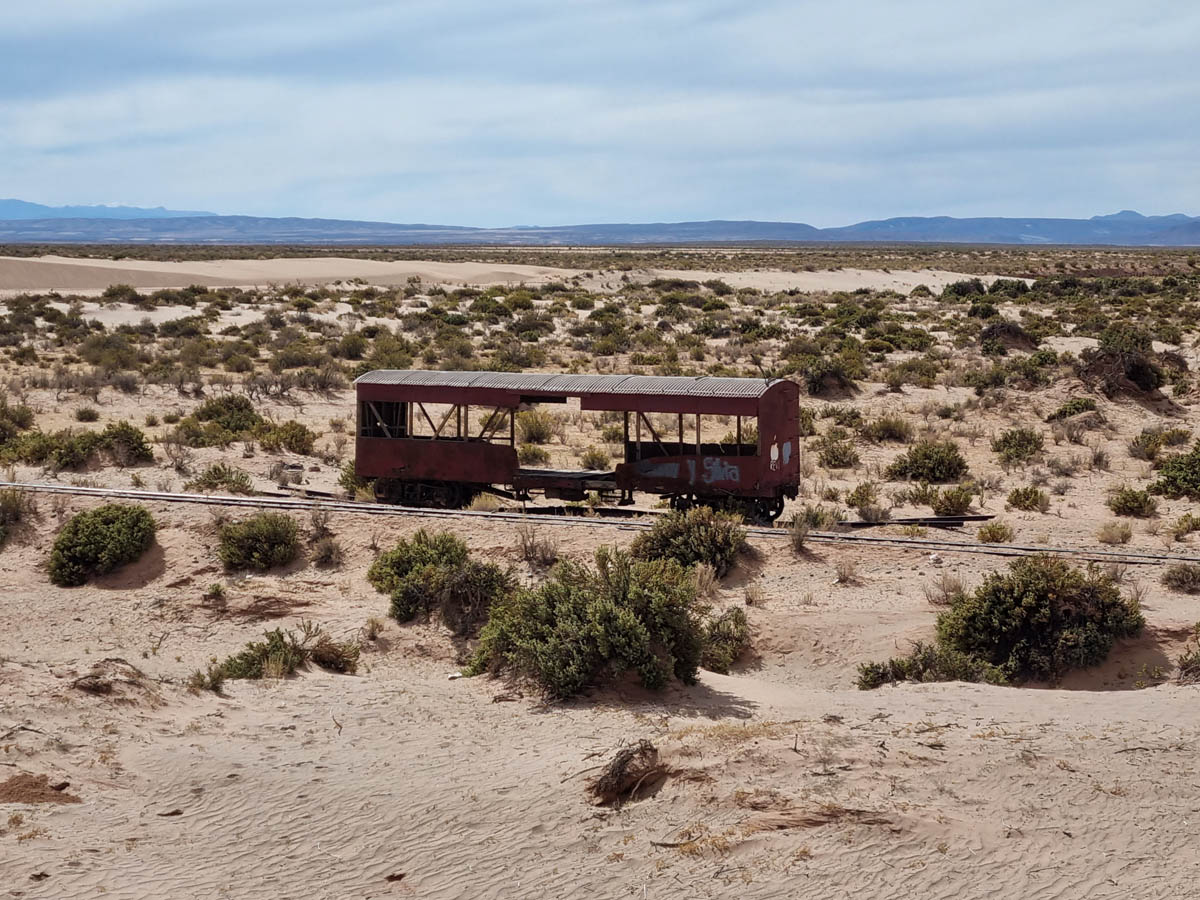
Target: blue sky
(536,112)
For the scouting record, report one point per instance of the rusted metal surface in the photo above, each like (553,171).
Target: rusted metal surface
(575,385)
(422,459)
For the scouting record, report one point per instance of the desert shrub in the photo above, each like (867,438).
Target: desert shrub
(808,421)
(87,414)
(1114,533)
(15,505)
(584,626)
(220,476)
(955,501)
(1124,362)
(532,455)
(697,535)
(262,541)
(280,654)
(928,662)
(595,459)
(293,436)
(1040,619)
(536,426)
(349,480)
(1179,475)
(1182,577)
(432,574)
(536,548)
(888,428)
(936,462)
(233,412)
(1072,407)
(461,596)
(726,637)
(1188,662)
(126,444)
(865,494)
(817,517)
(1146,445)
(1185,525)
(1029,499)
(99,541)
(1127,501)
(1018,445)
(391,567)
(327,553)
(836,451)
(996,532)
(798,531)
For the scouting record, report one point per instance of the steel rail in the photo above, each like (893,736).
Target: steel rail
(931,545)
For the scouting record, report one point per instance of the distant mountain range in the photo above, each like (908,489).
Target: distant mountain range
(21,210)
(22,222)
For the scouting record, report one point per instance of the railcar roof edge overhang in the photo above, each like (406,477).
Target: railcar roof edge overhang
(706,394)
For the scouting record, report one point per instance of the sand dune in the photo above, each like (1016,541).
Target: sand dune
(56,273)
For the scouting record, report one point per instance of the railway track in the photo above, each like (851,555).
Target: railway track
(287,502)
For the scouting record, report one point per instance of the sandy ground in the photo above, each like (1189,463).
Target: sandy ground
(785,781)
(401,782)
(64,274)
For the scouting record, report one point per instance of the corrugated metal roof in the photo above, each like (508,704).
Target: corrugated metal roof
(576,385)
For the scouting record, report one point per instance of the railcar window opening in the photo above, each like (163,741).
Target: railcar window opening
(689,434)
(382,419)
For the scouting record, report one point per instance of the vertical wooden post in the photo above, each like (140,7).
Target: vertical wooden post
(637,435)
(625,445)
(698,434)
(739,435)
(681,434)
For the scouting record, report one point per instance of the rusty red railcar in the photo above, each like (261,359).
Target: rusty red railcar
(441,438)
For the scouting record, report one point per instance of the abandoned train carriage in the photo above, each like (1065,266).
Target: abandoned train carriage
(441,438)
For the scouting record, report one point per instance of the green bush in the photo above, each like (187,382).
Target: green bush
(233,412)
(995,533)
(87,414)
(99,541)
(595,459)
(532,455)
(535,426)
(292,436)
(126,444)
(955,501)
(1072,407)
(726,637)
(697,535)
(1146,445)
(888,428)
(432,575)
(220,476)
(835,450)
(1017,445)
(1179,475)
(936,462)
(584,626)
(281,654)
(263,541)
(1029,499)
(461,596)
(928,662)
(1040,619)
(1127,501)
(390,568)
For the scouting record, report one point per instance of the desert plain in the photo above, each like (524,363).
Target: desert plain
(780,778)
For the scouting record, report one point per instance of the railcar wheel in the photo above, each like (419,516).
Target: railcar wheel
(767,511)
